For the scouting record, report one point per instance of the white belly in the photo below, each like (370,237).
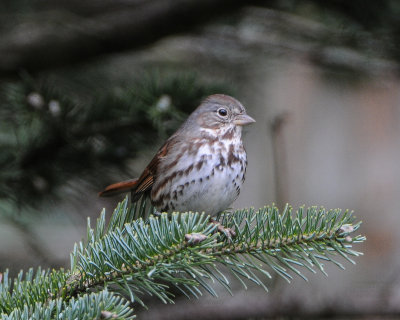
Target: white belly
(211,194)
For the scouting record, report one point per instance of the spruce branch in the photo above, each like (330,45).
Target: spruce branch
(100,305)
(152,255)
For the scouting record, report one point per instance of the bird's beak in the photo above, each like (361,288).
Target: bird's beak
(243,120)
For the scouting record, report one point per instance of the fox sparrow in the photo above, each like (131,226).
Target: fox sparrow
(201,167)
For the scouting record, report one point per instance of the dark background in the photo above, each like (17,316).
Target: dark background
(90,89)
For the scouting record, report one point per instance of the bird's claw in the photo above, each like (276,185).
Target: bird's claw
(228,232)
(195,238)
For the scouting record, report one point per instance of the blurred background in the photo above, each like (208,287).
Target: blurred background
(90,89)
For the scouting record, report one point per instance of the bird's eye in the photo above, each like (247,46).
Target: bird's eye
(222,112)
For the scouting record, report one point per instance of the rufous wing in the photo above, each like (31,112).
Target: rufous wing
(140,185)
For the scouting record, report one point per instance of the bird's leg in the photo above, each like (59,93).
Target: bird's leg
(196,238)
(157,213)
(228,232)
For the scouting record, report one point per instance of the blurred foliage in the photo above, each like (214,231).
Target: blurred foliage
(50,135)
(368,25)
(364,22)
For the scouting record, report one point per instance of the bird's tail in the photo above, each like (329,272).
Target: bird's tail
(119,187)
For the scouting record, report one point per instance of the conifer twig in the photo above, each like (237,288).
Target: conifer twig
(151,256)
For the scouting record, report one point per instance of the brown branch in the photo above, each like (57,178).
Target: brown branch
(54,39)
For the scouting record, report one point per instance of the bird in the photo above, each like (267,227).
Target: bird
(201,167)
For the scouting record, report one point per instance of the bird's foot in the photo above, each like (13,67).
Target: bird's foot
(195,238)
(228,232)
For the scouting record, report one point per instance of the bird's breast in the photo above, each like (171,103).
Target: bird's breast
(204,175)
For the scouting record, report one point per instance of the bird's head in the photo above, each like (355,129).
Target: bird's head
(220,111)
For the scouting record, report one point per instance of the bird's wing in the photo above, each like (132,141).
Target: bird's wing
(140,185)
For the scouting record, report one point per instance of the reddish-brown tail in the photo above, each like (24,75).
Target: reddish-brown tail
(119,187)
